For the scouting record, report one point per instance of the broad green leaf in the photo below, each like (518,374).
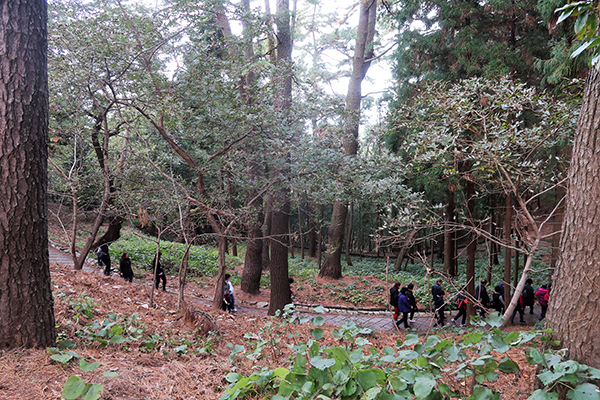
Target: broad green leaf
(356,356)
(407,355)
(366,379)
(512,338)
(410,339)
(371,393)
(280,372)
(539,394)
(66,344)
(319,310)
(86,366)
(495,320)
(73,388)
(508,365)
(93,392)
(483,393)
(321,363)
(110,374)
(61,358)
(585,391)
(318,321)
(317,333)
(431,341)
(423,386)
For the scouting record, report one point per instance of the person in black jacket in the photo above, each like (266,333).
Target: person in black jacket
(482,296)
(159,273)
(528,296)
(498,299)
(394,300)
(438,302)
(104,258)
(125,267)
(411,300)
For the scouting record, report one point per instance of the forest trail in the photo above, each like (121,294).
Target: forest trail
(378,322)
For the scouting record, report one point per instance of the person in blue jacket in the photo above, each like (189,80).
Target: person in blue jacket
(404,307)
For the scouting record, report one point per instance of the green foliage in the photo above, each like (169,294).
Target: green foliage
(411,369)
(585,26)
(114,329)
(75,387)
(203,260)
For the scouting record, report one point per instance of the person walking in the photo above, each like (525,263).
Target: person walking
(125,267)
(159,273)
(461,304)
(543,295)
(520,308)
(394,300)
(404,307)
(498,299)
(104,258)
(481,295)
(412,301)
(229,298)
(438,303)
(528,296)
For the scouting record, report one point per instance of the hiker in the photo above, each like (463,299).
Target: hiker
(438,303)
(394,300)
(461,304)
(543,295)
(481,295)
(519,308)
(125,267)
(528,296)
(159,273)
(104,258)
(412,301)
(498,299)
(404,307)
(228,297)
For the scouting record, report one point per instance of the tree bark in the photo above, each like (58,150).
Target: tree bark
(472,246)
(280,288)
(508,206)
(26,303)
(575,299)
(449,237)
(363,52)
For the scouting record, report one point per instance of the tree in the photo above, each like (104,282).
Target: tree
(363,54)
(26,304)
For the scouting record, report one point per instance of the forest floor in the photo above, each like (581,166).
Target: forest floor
(172,359)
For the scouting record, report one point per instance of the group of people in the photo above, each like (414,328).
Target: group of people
(403,302)
(125,269)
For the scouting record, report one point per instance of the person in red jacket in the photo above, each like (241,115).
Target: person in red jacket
(461,303)
(520,308)
(543,294)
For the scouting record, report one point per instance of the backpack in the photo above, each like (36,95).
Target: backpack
(547,296)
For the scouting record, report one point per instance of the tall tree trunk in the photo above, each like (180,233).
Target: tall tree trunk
(312,232)
(349,234)
(280,288)
(449,237)
(26,304)
(557,222)
(575,298)
(266,243)
(300,231)
(407,243)
(363,53)
(472,246)
(508,206)
(253,259)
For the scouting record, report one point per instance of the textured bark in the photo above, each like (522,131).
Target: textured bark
(507,251)
(253,260)
(449,258)
(363,52)
(280,288)
(26,304)
(575,299)
(407,243)
(472,246)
